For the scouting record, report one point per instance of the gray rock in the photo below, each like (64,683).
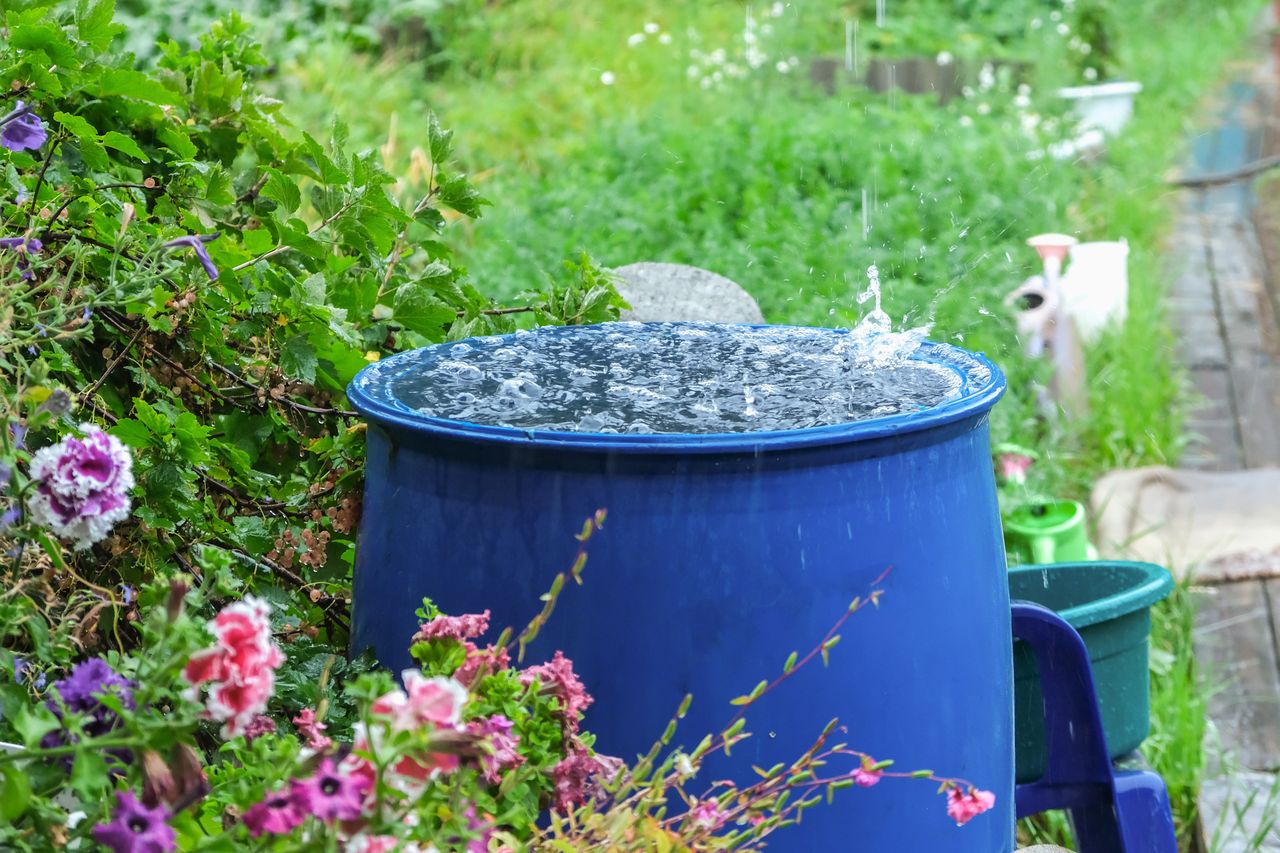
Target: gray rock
(676,292)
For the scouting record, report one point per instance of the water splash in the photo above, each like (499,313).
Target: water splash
(874,337)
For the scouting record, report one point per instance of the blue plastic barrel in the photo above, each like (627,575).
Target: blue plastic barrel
(722,554)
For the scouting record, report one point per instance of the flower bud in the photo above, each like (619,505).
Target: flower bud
(157,782)
(178,588)
(189,778)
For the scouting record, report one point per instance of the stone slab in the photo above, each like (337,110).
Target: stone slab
(1238,814)
(1187,520)
(1236,653)
(676,292)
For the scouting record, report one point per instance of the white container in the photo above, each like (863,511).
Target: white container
(1095,287)
(1106,106)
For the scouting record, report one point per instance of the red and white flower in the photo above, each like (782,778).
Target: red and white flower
(240,668)
(434,704)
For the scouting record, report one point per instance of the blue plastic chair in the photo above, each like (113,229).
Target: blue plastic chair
(1111,811)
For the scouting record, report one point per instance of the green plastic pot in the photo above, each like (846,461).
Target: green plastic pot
(1109,603)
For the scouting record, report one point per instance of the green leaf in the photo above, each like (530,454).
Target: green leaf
(78,127)
(89,774)
(152,419)
(440,140)
(178,141)
(420,312)
(251,533)
(790,664)
(120,142)
(15,793)
(133,433)
(281,189)
(94,22)
(127,83)
(45,37)
(33,723)
(298,359)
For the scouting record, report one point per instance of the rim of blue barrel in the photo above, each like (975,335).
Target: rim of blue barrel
(974,398)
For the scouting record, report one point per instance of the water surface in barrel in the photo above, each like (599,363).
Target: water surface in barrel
(672,378)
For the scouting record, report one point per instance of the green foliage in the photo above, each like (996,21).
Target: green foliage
(224,376)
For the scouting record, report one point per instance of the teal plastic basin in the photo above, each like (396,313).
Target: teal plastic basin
(1109,603)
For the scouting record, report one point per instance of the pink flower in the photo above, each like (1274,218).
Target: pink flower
(364,843)
(490,659)
(558,676)
(497,730)
(1014,467)
(965,807)
(868,774)
(425,701)
(465,627)
(330,794)
(81,486)
(278,814)
(239,668)
(312,730)
(430,703)
(259,726)
(706,814)
(580,776)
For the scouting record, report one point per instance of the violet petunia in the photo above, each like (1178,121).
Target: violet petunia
(134,828)
(22,129)
(197,242)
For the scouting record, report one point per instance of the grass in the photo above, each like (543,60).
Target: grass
(792,193)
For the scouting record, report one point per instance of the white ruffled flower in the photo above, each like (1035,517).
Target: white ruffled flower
(81,486)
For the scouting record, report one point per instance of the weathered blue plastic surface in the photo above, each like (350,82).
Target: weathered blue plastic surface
(721,555)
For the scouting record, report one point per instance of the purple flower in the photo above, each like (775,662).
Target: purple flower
(82,486)
(25,247)
(22,129)
(197,242)
(329,794)
(89,681)
(5,473)
(502,745)
(134,828)
(81,693)
(278,814)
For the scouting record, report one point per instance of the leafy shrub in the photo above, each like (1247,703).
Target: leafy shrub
(184,269)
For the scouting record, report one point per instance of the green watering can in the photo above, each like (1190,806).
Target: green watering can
(1049,532)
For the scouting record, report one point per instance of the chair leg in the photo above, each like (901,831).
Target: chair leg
(1097,830)
(1142,804)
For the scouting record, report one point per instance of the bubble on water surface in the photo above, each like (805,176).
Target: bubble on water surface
(672,378)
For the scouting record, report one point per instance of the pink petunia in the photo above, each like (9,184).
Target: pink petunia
(329,793)
(425,701)
(277,814)
(489,660)
(1014,467)
(239,670)
(503,755)
(557,676)
(965,807)
(580,776)
(312,730)
(468,626)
